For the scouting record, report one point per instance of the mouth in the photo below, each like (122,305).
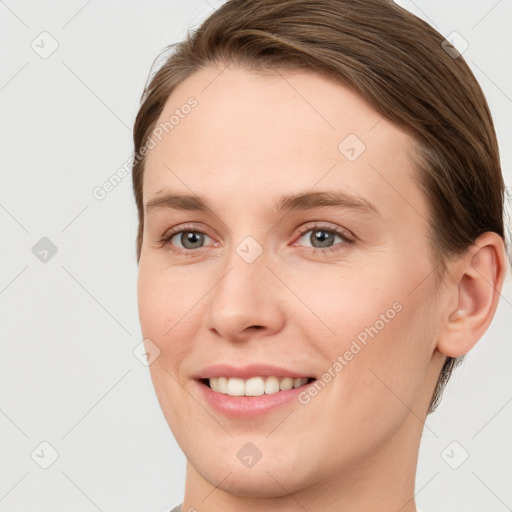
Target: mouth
(252,390)
(254,386)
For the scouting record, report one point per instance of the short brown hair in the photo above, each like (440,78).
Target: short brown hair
(398,63)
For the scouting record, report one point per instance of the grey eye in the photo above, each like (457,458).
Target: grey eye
(190,239)
(320,238)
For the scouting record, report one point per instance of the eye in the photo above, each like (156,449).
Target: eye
(323,237)
(188,239)
(184,239)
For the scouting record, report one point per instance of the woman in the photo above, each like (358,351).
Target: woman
(320,242)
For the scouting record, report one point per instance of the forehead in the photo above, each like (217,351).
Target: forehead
(275,131)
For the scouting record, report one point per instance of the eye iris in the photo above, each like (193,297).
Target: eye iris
(325,237)
(193,237)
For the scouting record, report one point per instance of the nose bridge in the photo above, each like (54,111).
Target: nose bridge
(243,296)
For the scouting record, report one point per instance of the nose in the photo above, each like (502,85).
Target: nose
(246,301)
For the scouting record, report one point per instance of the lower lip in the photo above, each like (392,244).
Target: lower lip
(249,406)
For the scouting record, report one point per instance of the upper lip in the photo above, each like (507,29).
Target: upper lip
(248,371)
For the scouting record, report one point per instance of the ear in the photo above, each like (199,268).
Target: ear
(475,281)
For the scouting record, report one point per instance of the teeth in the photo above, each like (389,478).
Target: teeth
(235,387)
(286,384)
(271,385)
(255,386)
(298,382)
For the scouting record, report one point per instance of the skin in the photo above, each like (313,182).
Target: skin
(251,138)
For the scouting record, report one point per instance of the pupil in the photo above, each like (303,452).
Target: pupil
(191,237)
(324,236)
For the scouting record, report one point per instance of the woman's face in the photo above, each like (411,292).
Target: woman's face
(307,258)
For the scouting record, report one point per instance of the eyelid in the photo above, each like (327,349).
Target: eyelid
(184,227)
(325,226)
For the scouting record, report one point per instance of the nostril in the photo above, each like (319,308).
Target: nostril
(255,327)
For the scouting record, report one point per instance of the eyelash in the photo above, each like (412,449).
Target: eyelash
(347,239)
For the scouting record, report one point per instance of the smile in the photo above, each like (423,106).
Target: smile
(252,390)
(254,386)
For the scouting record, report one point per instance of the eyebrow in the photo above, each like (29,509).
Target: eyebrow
(299,201)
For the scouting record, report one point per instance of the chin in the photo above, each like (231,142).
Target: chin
(276,474)
(273,479)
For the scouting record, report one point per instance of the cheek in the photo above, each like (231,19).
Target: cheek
(376,340)
(345,307)
(163,299)
(162,302)
(385,365)
(171,310)
(152,304)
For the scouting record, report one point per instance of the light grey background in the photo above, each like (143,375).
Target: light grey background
(68,375)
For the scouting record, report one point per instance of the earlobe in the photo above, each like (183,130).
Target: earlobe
(478,278)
